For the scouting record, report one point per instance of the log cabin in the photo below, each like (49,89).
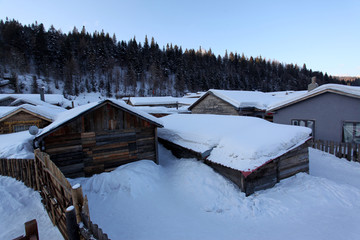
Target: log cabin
(99,137)
(21,118)
(239,103)
(253,153)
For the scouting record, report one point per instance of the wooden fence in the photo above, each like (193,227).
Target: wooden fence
(56,192)
(349,151)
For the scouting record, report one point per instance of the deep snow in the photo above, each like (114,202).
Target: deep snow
(185,199)
(19,204)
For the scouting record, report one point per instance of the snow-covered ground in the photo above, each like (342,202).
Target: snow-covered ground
(19,204)
(185,199)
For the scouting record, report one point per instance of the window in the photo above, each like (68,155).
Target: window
(305,123)
(19,128)
(351,132)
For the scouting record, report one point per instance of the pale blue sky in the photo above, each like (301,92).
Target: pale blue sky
(323,34)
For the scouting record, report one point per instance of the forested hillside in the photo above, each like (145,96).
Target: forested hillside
(84,62)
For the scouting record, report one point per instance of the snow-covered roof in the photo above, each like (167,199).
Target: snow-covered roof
(163,110)
(5,109)
(238,142)
(244,99)
(68,115)
(194,95)
(47,112)
(350,91)
(54,99)
(162,101)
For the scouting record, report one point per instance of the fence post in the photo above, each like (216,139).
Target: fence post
(36,159)
(331,151)
(349,146)
(31,229)
(86,207)
(78,199)
(72,227)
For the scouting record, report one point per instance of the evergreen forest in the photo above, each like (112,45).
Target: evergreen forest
(88,62)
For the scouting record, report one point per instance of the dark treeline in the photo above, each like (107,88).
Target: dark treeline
(83,62)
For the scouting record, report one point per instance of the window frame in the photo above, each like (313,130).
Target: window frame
(354,123)
(306,124)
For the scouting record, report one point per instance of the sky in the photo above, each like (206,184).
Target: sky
(323,34)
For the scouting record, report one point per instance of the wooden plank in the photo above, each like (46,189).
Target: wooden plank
(288,172)
(349,151)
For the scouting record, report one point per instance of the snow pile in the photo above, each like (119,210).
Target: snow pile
(20,204)
(17,145)
(242,143)
(185,199)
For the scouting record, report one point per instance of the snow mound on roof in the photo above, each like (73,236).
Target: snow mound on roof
(17,145)
(242,143)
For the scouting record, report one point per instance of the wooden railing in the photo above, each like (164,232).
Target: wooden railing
(350,151)
(57,194)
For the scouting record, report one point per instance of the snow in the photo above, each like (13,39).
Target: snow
(343,89)
(20,204)
(68,209)
(185,199)
(163,110)
(257,99)
(17,145)
(55,99)
(50,112)
(72,113)
(242,143)
(3,110)
(162,101)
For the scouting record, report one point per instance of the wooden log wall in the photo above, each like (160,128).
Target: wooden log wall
(44,176)
(101,141)
(21,118)
(211,104)
(349,151)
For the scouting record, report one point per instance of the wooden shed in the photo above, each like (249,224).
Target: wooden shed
(250,172)
(21,118)
(238,103)
(99,137)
